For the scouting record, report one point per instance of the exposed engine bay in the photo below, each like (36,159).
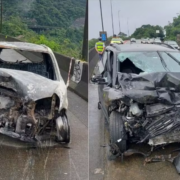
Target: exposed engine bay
(157,123)
(26,120)
(31,107)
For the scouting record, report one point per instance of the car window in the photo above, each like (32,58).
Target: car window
(146,61)
(101,64)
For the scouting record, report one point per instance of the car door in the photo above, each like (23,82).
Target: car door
(107,74)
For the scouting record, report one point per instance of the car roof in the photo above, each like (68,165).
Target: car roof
(23,46)
(139,47)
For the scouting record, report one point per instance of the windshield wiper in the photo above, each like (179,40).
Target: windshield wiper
(170,55)
(162,61)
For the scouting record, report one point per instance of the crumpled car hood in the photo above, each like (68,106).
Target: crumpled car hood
(152,87)
(31,86)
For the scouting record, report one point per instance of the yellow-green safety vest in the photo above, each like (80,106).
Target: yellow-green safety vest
(100,46)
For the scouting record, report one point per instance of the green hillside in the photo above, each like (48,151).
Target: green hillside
(45,12)
(67,40)
(148,31)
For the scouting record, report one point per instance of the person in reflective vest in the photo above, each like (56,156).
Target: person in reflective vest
(100,46)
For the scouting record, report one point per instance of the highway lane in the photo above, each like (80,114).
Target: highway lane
(20,161)
(101,168)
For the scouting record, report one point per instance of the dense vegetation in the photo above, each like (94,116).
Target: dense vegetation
(148,31)
(46,12)
(172,29)
(92,43)
(18,14)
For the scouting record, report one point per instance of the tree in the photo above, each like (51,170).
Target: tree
(148,31)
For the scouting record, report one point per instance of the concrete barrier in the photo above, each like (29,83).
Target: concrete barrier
(81,88)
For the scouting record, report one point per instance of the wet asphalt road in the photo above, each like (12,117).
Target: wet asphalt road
(133,167)
(20,161)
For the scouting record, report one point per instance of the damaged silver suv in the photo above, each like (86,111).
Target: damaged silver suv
(33,95)
(139,94)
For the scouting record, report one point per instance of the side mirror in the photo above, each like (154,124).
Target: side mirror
(99,80)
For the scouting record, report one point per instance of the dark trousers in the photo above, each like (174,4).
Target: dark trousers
(100,56)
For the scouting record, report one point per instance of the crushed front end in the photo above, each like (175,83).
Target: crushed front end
(29,111)
(149,106)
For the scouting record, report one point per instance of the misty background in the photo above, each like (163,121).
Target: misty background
(133,14)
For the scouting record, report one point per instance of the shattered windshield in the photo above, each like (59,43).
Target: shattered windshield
(147,62)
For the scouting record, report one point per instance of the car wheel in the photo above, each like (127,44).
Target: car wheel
(63,129)
(99,105)
(118,133)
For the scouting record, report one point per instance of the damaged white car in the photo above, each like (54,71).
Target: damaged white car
(33,95)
